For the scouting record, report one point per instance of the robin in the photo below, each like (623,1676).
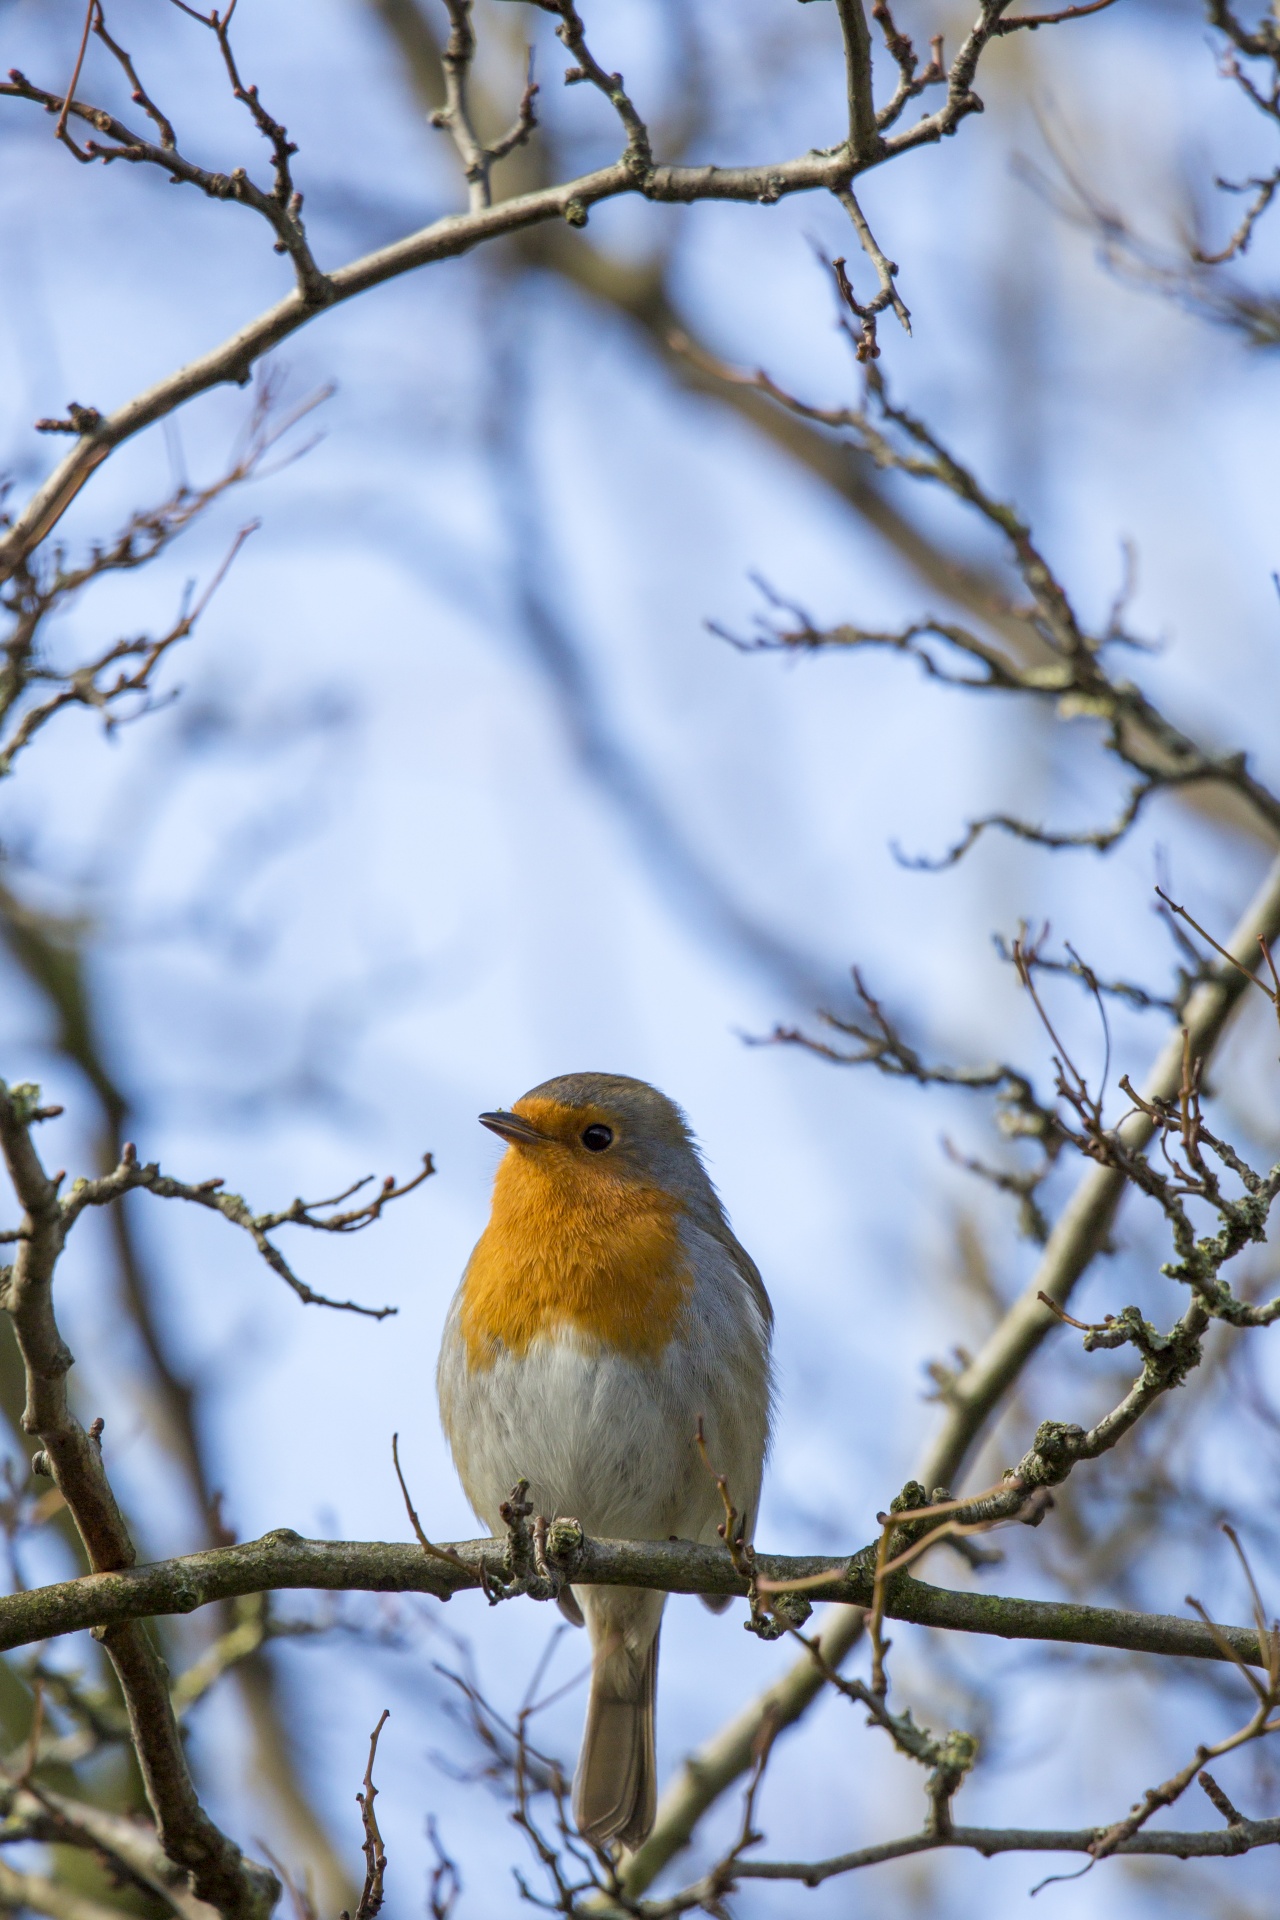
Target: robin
(606,1307)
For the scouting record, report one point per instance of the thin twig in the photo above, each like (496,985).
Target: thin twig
(59,132)
(375,1853)
(447,1554)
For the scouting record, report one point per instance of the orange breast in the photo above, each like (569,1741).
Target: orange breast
(569,1245)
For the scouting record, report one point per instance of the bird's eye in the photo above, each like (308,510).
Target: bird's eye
(596,1138)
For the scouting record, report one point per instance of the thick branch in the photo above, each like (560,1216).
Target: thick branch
(284,1560)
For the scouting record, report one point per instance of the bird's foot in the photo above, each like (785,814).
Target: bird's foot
(534,1548)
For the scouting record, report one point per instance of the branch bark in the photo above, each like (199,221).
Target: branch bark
(283,1560)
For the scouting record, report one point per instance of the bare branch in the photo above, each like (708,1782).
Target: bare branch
(281,208)
(117,681)
(441,1553)
(283,1560)
(1077,681)
(1085,1220)
(455,115)
(1257,1727)
(569,200)
(1264,192)
(131,1176)
(637,157)
(1215,1844)
(864,133)
(375,1853)
(1261,43)
(138,92)
(220,1873)
(911,82)
(1034,20)
(1020,1114)
(1191,276)
(974,1391)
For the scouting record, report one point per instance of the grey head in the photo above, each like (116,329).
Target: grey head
(616,1121)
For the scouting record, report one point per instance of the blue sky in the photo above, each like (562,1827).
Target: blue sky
(361,880)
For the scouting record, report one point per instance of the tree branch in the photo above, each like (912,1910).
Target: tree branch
(131,1176)
(239,1888)
(131,1850)
(1083,1225)
(570,200)
(973,1393)
(51,953)
(1216,1844)
(445,239)
(283,1560)
(864,134)
(281,208)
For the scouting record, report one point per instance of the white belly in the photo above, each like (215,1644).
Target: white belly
(610,1440)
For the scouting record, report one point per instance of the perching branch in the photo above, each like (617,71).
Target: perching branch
(284,1560)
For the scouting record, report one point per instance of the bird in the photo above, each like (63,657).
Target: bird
(609,1344)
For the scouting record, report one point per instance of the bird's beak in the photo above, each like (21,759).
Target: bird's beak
(510,1126)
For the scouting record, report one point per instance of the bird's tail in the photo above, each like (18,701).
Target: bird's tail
(615,1790)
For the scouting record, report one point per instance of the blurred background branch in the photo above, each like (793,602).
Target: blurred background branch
(357,884)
